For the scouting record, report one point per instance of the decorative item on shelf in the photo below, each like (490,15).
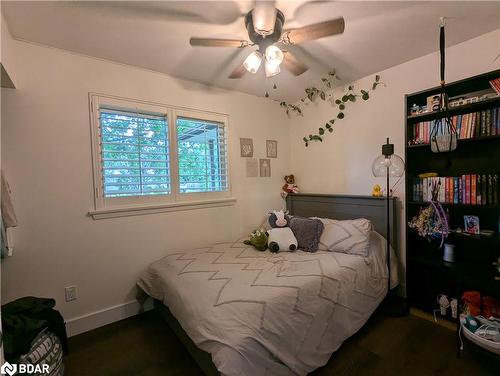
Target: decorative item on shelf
(471,223)
(290,186)
(496,265)
(390,165)
(377,191)
(444,304)
(454,308)
(443,134)
(431,222)
(449,252)
(495,84)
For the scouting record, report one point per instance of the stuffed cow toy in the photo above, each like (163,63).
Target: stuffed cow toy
(281,237)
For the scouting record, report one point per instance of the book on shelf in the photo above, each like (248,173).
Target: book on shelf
(468,189)
(470,125)
(495,85)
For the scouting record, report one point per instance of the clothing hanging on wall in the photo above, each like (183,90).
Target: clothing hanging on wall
(8,217)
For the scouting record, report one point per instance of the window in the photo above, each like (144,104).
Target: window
(202,156)
(146,154)
(134,154)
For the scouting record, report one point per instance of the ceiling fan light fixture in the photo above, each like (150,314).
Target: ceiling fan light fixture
(253,61)
(264,17)
(274,55)
(271,69)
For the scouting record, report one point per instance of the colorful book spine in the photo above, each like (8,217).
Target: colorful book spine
(469,189)
(484,190)
(495,190)
(473,192)
(469,125)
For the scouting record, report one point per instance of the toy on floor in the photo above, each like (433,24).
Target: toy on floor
(290,186)
(258,239)
(281,237)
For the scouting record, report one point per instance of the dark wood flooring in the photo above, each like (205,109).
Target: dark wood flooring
(145,346)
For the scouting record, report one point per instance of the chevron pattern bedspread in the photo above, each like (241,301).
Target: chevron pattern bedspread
(259,313)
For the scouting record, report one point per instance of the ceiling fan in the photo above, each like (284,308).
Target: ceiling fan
(265,24)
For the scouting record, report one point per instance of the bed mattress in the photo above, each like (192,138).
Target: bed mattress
(259,313)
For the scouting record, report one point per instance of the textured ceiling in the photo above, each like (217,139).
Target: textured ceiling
(155,35)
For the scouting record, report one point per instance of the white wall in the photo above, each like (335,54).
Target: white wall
(342,163)
(47,159)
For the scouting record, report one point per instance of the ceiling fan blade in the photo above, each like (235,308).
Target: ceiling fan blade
(314,31)
(213,42)
(238,72)
(292,64)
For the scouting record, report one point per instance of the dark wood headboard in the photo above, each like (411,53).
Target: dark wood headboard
(346,207)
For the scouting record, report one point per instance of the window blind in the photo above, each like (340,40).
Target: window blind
(134,153)
(202,156)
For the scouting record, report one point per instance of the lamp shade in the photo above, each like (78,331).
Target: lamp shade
(274,55)
(392,164)
(271,69)
(253,61)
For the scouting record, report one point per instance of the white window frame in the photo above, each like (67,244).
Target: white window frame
(136,205)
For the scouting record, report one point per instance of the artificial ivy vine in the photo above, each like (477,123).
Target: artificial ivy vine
(324,93)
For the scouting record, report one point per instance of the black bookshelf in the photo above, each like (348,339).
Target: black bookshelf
(427,274)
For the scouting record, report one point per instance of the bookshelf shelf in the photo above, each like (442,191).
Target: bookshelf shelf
(427,274)
(466,108)
(449,204)
(462,141)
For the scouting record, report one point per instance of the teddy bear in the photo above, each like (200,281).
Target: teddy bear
(258,239)
(290,186)
(281,237)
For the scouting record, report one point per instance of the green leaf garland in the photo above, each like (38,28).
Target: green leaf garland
(324,93)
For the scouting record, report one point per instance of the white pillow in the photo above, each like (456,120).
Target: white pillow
(351,236)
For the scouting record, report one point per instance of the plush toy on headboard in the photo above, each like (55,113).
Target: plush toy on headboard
(281,237)
(290,186)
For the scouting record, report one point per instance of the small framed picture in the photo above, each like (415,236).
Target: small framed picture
(265,168)
(246,147)
(252,167)
(471,223)
(272,148)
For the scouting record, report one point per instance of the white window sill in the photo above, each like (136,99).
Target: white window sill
(163,208)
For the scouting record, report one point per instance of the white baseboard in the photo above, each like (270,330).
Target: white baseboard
(93,320)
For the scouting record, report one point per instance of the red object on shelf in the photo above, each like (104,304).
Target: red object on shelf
(473,301)
(490,307)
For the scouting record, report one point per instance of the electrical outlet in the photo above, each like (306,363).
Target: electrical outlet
(70,293)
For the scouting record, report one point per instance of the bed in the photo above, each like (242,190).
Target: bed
(244,312)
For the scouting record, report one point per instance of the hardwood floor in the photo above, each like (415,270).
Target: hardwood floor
(145,346)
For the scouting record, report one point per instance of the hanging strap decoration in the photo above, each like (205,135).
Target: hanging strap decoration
(443,133)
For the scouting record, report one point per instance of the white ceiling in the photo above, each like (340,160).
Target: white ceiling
(155,35)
